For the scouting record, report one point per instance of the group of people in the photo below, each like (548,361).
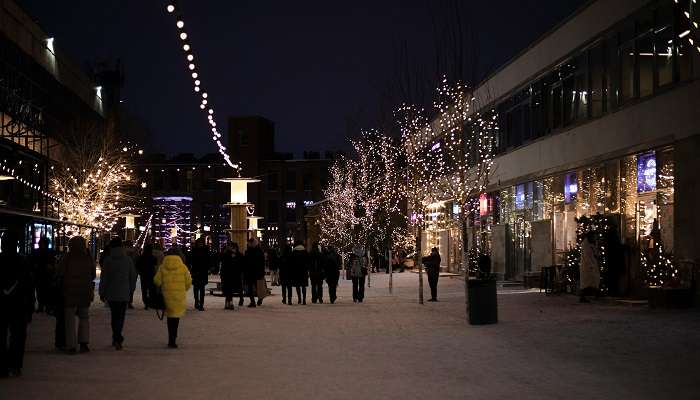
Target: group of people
(63,286)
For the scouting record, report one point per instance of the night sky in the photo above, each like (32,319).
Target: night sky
(310,66)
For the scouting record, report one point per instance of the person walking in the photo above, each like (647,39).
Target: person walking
(16,306)
(331,271)
(158,252)
(231,272)
(272,259)
(316,273)
(201,263)
(146,269)
(286,274)
(589,268)
(117,282)
(254,271)
(174,280)
(133,253)
(77,273)
(44,260)
(432,267)
(358,272)
(299,267)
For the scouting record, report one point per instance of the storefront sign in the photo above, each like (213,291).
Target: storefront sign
(483,204)
(646,172)
(570,187)
(520,196)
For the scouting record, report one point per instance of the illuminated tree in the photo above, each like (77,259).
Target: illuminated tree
(95,185)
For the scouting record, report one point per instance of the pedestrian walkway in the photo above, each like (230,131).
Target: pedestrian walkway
(389,347)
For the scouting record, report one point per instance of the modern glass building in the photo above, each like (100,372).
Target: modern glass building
(598,124)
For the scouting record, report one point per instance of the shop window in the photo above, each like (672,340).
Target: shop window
(646,172)
(612,74)
(627,81)
(645,52)
(597,70)
(570,187)
(663,44)
(555,107)
(539,116)
(520,196)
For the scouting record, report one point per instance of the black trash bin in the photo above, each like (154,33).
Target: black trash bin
(482,302)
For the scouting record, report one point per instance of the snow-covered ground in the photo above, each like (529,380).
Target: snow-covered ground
(388,347)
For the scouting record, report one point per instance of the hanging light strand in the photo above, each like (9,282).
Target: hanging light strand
(205,107)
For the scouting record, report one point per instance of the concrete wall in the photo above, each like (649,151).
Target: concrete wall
(686,201)
(498,249)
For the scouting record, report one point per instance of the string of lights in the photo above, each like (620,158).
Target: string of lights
(205,107)
(11,171)
(694,30)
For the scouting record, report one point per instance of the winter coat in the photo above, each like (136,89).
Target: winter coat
(254,268)
(231,272)
(358,266)
(432,264)
(331,268)
(16,287)
(146,267)
(201,262)
(299,266)
(285,267)
(316,266)
(590,271)
(118,278)
(77,271)
(159,255)
(174,280)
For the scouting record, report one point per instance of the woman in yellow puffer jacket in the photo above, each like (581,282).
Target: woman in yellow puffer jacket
(174,280)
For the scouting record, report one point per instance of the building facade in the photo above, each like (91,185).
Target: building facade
(44,97)
(288,186)
(599,125)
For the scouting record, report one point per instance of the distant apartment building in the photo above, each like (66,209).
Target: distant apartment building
(288,185)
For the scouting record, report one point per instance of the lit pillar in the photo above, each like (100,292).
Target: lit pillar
(239,209)
(253,227)
(130,226)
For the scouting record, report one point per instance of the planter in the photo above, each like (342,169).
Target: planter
(660,297)
(482,301)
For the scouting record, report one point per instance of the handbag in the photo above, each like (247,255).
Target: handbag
(261,288)
(157,302)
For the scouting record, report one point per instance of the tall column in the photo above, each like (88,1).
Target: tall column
(239,209)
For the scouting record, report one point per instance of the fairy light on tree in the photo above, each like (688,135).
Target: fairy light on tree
(95,184)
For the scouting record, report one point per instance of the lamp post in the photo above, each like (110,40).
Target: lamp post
(238,206)
(129,226)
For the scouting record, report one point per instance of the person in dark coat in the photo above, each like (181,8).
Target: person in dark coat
(299,268)
(231,274)
(16,306)
(146,268)
(272,259)
(44,260)
(117,282)
(316,273)
(285,272)
(331,268)
(432,267)
(77,272)
(254,271)
(200,260)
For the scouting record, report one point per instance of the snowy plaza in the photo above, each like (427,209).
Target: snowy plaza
(388,347)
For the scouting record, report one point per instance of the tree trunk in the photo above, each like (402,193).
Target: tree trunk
(391,273)
(418,261)
(465,260)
